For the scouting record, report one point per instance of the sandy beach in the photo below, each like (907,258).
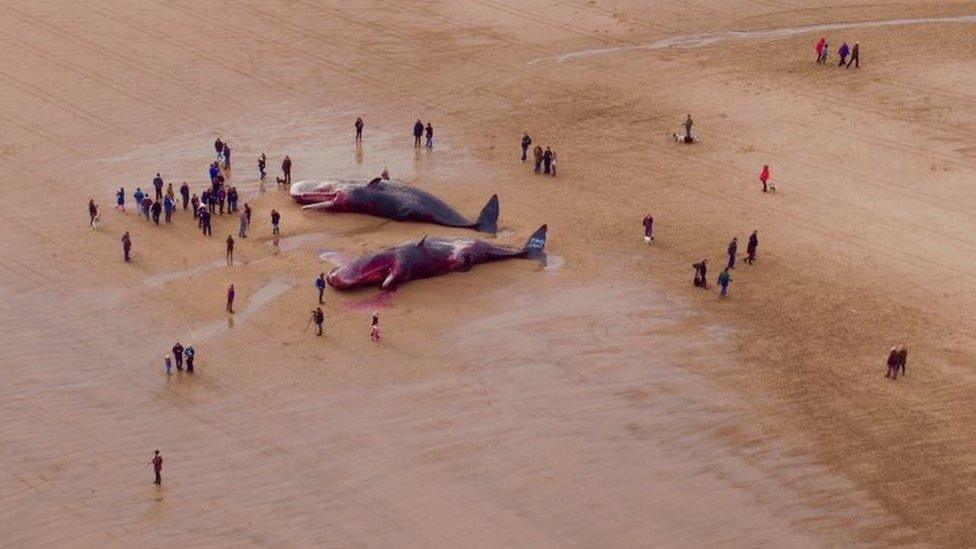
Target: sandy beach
(598,401)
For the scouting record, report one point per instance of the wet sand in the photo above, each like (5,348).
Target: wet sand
(601,401)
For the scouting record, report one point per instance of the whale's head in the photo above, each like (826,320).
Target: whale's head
(373,270)
(322,193)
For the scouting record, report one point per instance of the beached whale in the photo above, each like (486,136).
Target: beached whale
(427,258)
(392,200)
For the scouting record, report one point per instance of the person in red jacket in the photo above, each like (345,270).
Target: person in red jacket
(764,176)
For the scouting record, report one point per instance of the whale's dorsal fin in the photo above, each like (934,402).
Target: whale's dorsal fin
(422,242)
(374,182)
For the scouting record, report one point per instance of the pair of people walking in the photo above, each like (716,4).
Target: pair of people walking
(545,160)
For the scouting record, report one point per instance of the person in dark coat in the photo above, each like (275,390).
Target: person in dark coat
(185,194)
(733,248)
(157,208)
(701,274)
(526,141)
(429,133)
(547,161)
(892,363)
(855,56)
(178,355)
(359,129)
(418,131)
(902,358)
(648,228)
(537,154)
(126,246)
(751,248)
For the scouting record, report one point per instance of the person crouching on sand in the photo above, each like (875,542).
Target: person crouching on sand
(374,330)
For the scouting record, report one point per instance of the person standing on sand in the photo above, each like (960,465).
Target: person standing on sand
(553,163)
(688,124)
(842,53)
(230,299)
(168,207)
(157,209)
(226,156)
(120,200)
(242,231)
(147,204)
(723,281)
(701,272)
(820,47)
(205,222)
(418,130)
(185,194)
(218,147)
(902,358)
(168,364)
(648,229)
(547,161)
(92,212)
(824,53)
(170,193)
(892,363)
(189,353)
(429,132)
(286,170)
(262,163)
(157,463)
(537,155)
(230,250)
(855,56)
(138,196)
(318,317)
(733,248)
(126,246)
(764,176)
(320,285)
(275,221)
(526,141)
(751,248)
(232,200)
(195,204)
(374,330)
(359,129)
(158,184)
(178,355)
(213,171)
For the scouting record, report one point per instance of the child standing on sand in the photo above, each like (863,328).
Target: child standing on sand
(168,363)
(374,331)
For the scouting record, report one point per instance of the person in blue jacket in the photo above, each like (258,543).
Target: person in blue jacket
(843,52)
(138,196)
(320,284)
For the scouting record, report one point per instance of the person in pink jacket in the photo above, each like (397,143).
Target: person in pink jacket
(764,176)
(820,47)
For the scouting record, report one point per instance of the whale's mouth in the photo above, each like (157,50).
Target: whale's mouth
(374,271)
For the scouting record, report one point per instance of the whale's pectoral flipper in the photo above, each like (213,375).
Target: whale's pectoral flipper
(535,246)
(374,182)
(397,275)
(319,205)
(422,242)
(488,218)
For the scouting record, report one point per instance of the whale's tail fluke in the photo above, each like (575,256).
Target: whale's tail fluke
(488,218)
(535,246)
